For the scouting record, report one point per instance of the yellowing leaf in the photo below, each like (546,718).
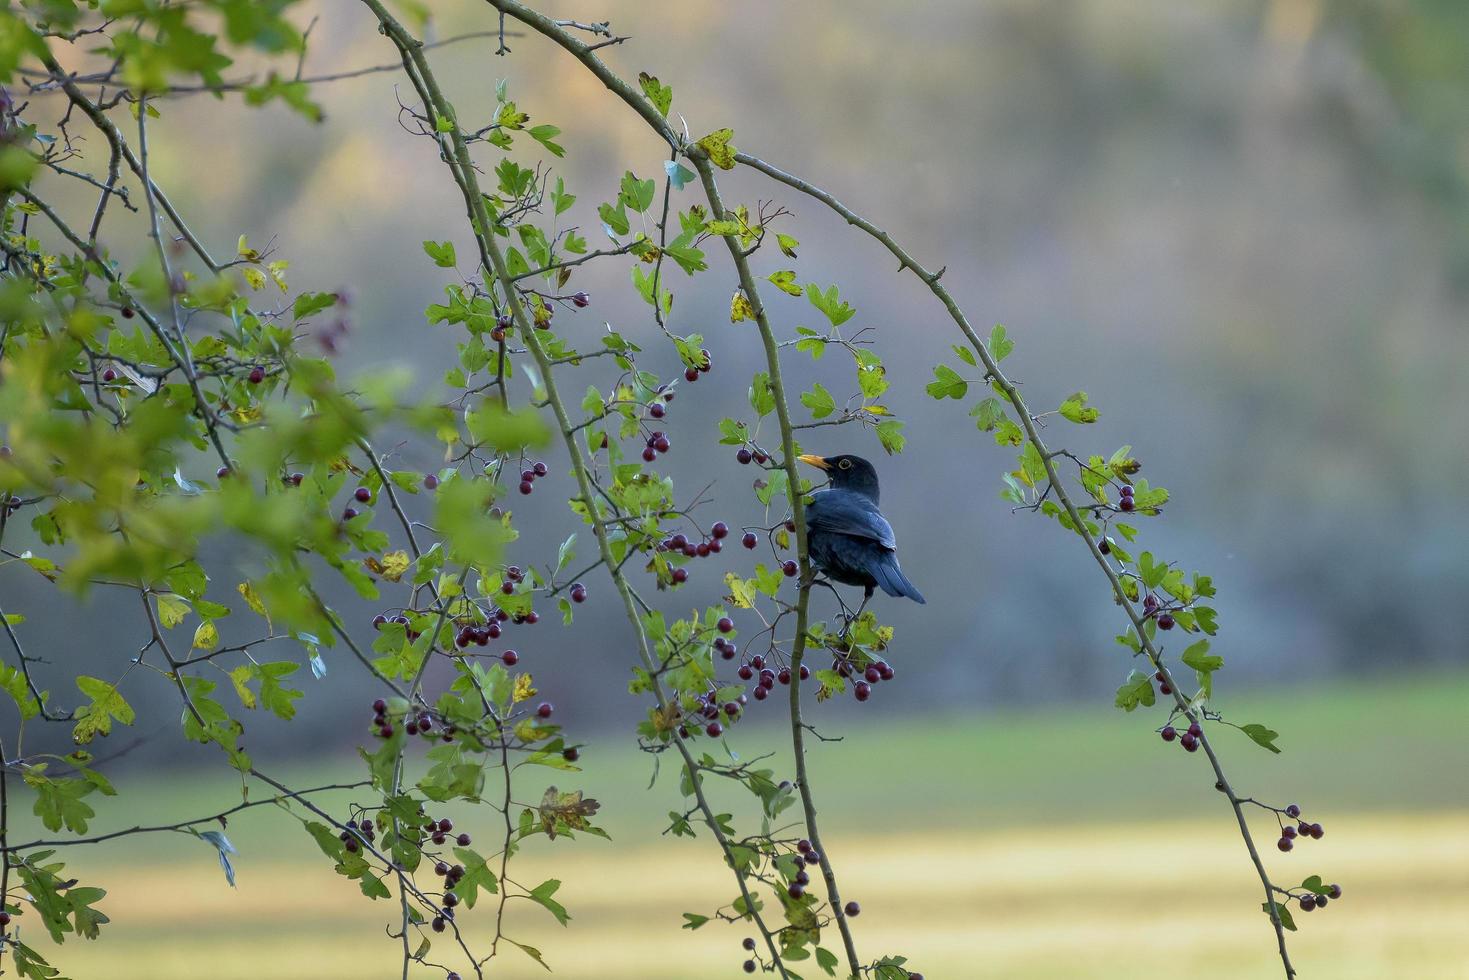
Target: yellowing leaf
(206,636)
(717,145)
(523,689)
(741,592)
(171,610)
(740,308)
(252,599)
(254,277)
(785,281)
(391,567)
(241,677)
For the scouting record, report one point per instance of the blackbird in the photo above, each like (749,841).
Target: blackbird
(847,536)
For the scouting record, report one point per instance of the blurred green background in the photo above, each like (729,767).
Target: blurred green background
(1243,227)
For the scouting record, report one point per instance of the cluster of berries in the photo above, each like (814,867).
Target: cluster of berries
(706,362)
(873,674)
(1190,737)
(358,834)
(1290,833)
(379,620)
(361,495)
(712,544)
(1310,902)
(1125,504)
(1151,608)
(744,455)
(528,476)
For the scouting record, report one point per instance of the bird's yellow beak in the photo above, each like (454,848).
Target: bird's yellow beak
(815,461)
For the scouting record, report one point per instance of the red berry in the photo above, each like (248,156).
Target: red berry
(430,482)
(719,530)
(863,690)
(1189,742)
(525,486)
(257,375)
(691,375)
(571,754)
(662,444)
(1125,504)
(362,495)
(544,709)
(680,575)
(1194,729)
(725,624)
(790,568)
(1165,622)
(578,592)
(657,410)
(714,729)
(1169,733)
(750,540)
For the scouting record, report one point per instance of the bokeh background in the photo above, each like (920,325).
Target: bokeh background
(1242,227)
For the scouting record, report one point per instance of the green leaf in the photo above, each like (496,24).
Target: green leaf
(441,253)
(96,718)
(947,383)
(988,414)
(545,135)
(1261,736)
(477,875)
(1199,658)
(659,94)
(1000,345)
(306,305)
(542,895)
(694,921)
(1282,911)
(636,194)
(819,401)
(830,304)
(1075,409)
(762,396)
(787,244)
(890,434)
(1136,690)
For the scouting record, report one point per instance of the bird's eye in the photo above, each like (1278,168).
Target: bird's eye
(845,464)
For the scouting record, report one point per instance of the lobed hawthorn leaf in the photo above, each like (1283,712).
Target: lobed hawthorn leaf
(819,401)
(96,718)
(785,281)
(659,94)
(1136,690)
(947,383)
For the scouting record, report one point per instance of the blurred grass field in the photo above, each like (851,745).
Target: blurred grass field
(1051,843)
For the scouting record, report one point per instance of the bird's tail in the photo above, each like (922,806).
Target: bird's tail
(890,579)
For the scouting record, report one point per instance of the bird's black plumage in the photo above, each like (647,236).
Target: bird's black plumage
(847,535)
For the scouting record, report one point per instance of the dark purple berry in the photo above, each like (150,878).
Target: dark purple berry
(1285,844)
(1292,810)
(750,540)
(714,729)
(1308,903)
(257,375)
(1169,733)
(743,456)
(725,624)
(1165,622)
(863,690)
(581,300)
(362,495)
(790,568)
(853,909)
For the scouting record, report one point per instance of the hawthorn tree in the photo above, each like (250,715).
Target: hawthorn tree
(159,393)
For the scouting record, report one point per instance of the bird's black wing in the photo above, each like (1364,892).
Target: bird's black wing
(844,512)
